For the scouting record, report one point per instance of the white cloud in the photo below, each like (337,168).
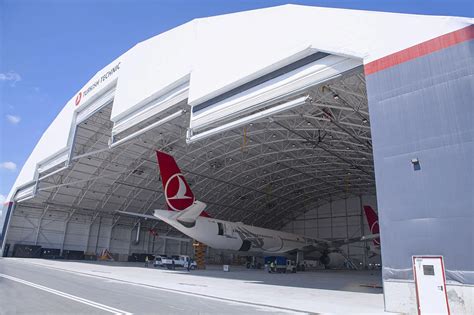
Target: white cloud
(14,119)
(10,76)
(8,165)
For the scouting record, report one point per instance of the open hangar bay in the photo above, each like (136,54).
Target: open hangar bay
(277,127)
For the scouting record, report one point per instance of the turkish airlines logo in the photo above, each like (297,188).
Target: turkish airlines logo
(78,98)
(177,192)
(374,229)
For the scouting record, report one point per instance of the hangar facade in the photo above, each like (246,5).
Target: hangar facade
(289,118)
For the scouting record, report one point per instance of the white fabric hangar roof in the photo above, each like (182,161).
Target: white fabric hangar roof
(207,57)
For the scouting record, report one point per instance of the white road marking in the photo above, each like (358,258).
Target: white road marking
(67,296)
(262,307)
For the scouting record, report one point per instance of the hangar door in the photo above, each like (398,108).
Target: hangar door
(277,90)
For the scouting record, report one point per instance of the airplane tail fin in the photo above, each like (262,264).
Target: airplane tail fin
(373,221)
(178,193)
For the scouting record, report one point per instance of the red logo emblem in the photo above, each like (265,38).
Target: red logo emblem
(177,192)
(78,98)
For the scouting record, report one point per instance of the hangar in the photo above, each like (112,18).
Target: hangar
(290,118)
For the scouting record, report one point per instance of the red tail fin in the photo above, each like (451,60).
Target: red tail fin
(373,221)
(178,193)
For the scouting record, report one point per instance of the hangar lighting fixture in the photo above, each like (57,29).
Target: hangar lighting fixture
(364,121)
(190,137)
(336,97)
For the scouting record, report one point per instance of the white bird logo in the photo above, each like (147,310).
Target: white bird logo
(182,192)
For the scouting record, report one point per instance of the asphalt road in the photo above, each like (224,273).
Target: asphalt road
(32,289)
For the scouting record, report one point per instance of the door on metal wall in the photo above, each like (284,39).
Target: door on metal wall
(430,284)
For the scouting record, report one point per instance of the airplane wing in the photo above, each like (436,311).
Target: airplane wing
(370,237)
(341,242)
(133,214)
(323,245)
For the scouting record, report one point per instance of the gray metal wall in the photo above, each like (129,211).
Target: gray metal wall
(423,109)
(59,229)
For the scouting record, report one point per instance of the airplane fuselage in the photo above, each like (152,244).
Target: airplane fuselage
(236,236)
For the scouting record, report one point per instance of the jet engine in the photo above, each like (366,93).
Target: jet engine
(332,260)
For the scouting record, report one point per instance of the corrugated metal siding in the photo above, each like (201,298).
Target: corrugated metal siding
(424,109)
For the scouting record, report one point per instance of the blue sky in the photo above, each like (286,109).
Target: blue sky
(50,48)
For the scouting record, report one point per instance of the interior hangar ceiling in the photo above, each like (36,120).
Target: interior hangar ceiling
(265,173)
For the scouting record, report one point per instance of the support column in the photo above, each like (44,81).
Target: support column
(39,225)
(114,223)
(330,214)
(89,231)
(132,240)
(88,236)
(317,221)
(98,235)
(110,236)
(66,224)
(347,229)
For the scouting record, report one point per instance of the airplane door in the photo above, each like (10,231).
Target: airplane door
(229,230)
(430,283)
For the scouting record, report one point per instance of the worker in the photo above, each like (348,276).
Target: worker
(146,261)
(272,267)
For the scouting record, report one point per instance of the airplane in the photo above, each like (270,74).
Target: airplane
(188,215)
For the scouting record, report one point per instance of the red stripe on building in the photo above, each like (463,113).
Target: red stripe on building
(432,45)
